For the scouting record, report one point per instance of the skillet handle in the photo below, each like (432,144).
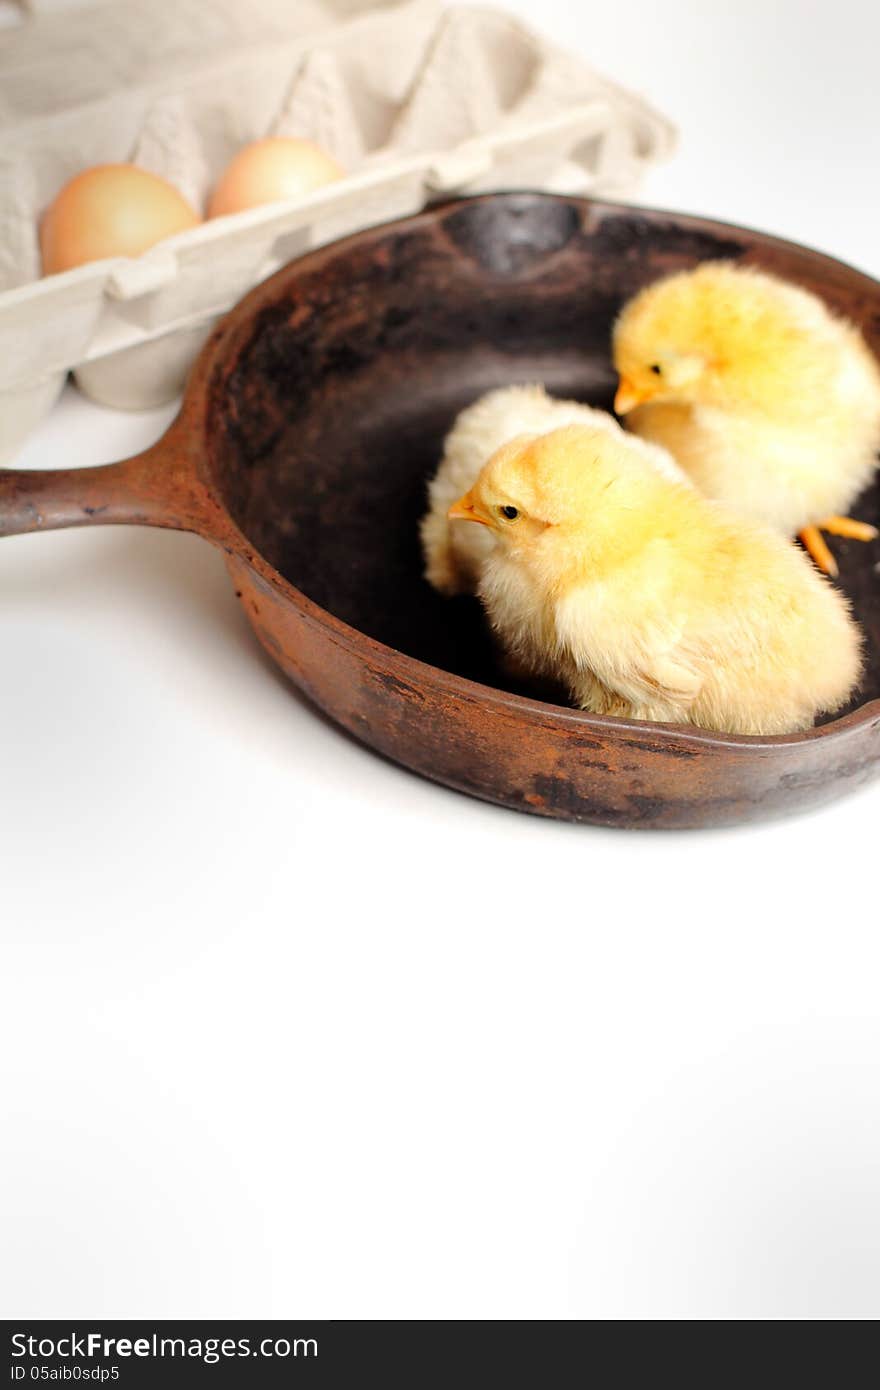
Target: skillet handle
(160,487)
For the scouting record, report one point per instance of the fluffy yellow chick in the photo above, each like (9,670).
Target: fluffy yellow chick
(768,402)
(454,554)
(648,600)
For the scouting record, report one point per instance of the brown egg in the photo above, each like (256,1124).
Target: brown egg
(269,171)
(111,210)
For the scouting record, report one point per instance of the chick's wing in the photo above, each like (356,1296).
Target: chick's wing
(633,641)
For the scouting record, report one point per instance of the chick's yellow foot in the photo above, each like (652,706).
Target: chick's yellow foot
(845,526)
(815,543)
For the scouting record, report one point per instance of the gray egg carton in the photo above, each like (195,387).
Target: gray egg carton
(415,100)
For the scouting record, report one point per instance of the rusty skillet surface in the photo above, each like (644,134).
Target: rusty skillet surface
(309,425)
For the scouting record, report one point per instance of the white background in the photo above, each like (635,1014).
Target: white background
(288,1031)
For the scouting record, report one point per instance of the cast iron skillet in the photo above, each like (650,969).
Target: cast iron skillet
(310,423)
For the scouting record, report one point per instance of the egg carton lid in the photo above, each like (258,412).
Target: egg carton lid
(415,99)
(62,55)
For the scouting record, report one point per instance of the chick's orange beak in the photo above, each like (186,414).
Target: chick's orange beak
(627,396)
(464,510)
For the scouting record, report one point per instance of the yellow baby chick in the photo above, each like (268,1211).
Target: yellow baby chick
(454,554)
(649,601)
(768,402)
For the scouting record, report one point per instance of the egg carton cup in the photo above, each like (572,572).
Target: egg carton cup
(416,101)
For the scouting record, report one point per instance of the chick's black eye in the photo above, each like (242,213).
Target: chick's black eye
(655,368)
(510,512)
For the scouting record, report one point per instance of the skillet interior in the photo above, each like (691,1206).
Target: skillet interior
(329,419)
